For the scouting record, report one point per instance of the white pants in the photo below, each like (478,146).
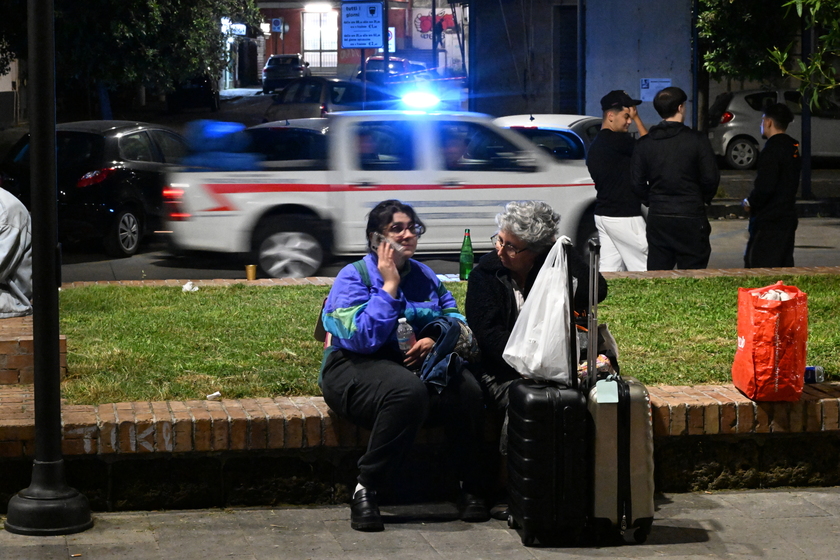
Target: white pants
(623,243)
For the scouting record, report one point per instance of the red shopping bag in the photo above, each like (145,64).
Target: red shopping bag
(770,359)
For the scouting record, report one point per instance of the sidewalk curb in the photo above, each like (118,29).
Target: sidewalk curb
(731,208)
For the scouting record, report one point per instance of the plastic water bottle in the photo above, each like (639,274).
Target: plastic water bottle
(467,257)
(814,374)
(405,335)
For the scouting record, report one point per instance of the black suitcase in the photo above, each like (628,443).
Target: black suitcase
(622,442)
(547,457)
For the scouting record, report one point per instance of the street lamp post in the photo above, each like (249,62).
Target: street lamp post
(48,506)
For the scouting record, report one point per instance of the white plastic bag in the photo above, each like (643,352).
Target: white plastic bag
(538,347)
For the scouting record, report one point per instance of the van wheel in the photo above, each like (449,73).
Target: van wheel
(741,153)
(123,237)
(286,249)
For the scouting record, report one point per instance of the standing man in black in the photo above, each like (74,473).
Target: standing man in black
(618,211)
(772,202)
(674,171)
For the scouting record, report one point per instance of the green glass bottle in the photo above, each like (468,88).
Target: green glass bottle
(467,258)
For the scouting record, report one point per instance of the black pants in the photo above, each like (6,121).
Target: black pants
(681,241)
(377,393)
(770,245)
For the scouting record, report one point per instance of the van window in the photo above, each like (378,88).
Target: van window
(306,147)
(385,146)
(472,146)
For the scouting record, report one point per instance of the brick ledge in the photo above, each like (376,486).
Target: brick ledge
(307,422)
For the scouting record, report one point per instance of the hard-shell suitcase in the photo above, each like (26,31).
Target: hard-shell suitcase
(622,458)
(546,461)
(622,441)
(547,457)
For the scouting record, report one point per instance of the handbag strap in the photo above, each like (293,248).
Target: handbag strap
(573,342)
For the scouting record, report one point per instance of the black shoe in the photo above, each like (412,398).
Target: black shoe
(364,513)
(472,508)
(500,512)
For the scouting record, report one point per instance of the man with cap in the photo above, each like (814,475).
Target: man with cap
(618,211)
(673,171)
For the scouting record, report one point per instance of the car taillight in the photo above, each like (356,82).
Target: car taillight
(172,199)
(94,177)
(726,117)
(324,111)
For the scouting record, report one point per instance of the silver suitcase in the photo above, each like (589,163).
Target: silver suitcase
(622,440)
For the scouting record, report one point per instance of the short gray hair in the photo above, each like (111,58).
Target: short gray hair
(532,221)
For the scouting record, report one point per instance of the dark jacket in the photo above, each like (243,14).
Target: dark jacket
(491,308)
(773,198)
(608,160)
(673,170)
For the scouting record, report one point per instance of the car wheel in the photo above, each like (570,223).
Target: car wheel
(123,238)
(286,249)
(741,153)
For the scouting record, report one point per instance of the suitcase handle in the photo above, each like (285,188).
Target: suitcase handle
(592,317)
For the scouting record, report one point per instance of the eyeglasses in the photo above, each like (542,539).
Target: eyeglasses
(398,227)
(509,249)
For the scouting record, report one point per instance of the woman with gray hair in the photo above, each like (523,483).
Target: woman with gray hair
(499,286)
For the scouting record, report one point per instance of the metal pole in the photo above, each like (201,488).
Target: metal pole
(48,506)
(808,43)
(434,35)
(386,56)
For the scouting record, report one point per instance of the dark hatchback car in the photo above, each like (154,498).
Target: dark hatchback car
(281,68)
(110,179)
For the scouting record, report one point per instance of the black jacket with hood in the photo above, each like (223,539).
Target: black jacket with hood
(673,170)
(491,311)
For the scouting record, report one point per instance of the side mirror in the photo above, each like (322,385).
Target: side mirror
(306,64)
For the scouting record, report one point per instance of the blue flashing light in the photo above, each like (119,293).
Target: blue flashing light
(420,100)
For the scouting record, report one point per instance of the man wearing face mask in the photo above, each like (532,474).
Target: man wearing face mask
(618,211)
(772,202)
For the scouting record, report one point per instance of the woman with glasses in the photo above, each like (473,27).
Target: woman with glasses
(499,286)
(368,380)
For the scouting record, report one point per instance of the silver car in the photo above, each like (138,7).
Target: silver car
(735,120)
(562,136)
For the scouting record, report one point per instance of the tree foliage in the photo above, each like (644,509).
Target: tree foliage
(12,32)
(131,42)
(817,73)
(737,35)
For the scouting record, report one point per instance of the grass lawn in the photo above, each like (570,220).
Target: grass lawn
(159,343)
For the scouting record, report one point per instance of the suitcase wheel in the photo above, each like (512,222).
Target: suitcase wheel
(640,535)
(528,538)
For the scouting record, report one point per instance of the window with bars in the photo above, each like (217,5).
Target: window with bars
(320,39)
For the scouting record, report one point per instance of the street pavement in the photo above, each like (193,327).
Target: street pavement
(771,524)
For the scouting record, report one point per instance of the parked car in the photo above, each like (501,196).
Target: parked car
(198,92)
(317,97)
(110,179)
(735,118)
(562,136)
(280,69)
